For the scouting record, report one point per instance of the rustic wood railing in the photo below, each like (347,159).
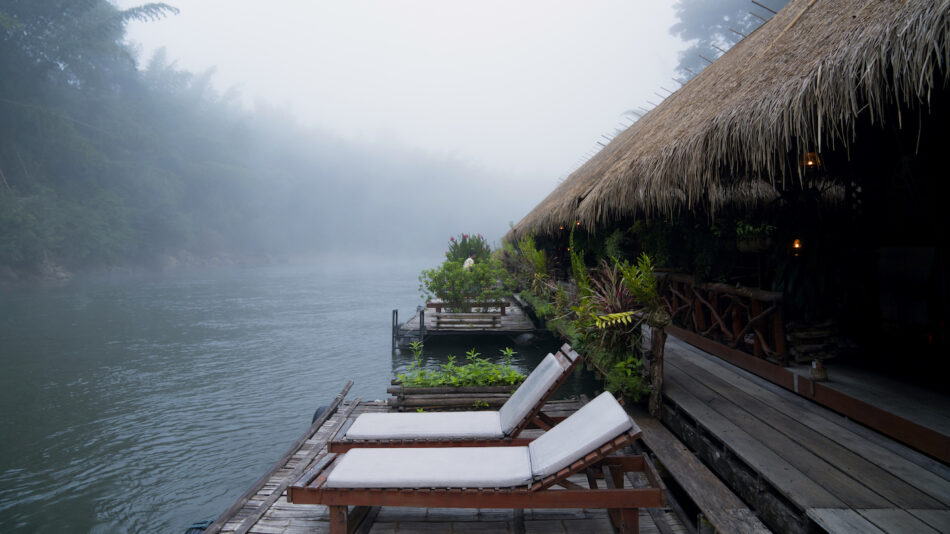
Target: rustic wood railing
(746,319)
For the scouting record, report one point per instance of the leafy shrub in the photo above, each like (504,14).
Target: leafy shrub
(466,245)
(458,288)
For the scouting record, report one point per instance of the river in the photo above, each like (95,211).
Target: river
(145,403)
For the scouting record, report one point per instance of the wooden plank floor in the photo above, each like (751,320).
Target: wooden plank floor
(263,514)
(841,476)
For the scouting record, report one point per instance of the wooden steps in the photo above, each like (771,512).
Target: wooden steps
(718,506)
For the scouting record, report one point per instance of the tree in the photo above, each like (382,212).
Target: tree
(707,25)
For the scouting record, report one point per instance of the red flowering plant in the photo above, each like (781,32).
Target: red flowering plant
(467,244)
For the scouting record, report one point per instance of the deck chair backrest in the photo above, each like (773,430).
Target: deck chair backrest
(598,422)
(524,399)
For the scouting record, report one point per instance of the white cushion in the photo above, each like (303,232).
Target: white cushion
(449,467)
(529,393)
(426,425)
(597,422)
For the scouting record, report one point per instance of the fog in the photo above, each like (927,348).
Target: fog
(224,127)
(425,119)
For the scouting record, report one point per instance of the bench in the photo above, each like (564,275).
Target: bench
(501,305)
(467,320)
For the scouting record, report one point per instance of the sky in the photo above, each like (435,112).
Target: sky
(522,90)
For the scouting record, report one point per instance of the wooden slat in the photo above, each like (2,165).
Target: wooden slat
(722,508)
(892,520)
(788,480)
(937,519)
(922,473)
(817,470)
(783,431)
(842,521)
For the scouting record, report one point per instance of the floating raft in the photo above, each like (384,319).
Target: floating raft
(264,509)
(431,321)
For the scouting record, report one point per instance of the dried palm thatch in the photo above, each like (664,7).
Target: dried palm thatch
(798,83)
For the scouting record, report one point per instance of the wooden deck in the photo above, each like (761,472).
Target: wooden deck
(265,510)
(514,321)
(798,465)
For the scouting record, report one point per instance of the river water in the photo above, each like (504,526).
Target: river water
(143,404)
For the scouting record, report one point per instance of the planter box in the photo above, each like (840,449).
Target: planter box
(449,398)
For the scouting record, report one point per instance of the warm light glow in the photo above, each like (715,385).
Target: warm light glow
(562,227)
(578,223)
(810,159)
(797,244)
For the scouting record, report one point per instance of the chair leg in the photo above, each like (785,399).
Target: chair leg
(338,519)
(629,521)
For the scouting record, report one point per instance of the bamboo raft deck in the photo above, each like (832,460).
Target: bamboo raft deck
(264,508)
(800,467)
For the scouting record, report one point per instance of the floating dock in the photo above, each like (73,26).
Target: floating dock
(432,320)
(264,509)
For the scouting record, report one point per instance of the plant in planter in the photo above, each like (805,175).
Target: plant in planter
(478,372)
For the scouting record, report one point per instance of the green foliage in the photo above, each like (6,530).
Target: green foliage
(535,259)
(477,372)
(627,378)
(640,280)
(614,319)
(613,245)
(578,268)
(748,230)
(466,245)
(486,281)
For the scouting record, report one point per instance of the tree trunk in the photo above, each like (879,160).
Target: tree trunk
(658,342)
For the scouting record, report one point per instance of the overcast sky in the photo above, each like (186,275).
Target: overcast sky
(522,89)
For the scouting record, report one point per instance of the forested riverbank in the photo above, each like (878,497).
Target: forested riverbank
(109,161)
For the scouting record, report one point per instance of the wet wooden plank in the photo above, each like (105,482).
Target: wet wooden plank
(817,470)
(928,476)
(892,520)
(784,432)
(842,521)
(722,508)
(786,478)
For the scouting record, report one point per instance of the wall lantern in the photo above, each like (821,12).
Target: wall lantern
(797,246)
(810,160)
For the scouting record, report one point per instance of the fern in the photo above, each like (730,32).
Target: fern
(612,319)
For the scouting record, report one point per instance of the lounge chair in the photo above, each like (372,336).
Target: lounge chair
(465,429)
(513,477)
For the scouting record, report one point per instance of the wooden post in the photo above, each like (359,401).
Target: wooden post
(395,329)
(755,308)
(778,330)
(629,521)
(699,316)
(658,341)
(338,519)
(422,325)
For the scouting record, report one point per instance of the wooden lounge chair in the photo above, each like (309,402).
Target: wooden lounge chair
(514,477)
(465,429)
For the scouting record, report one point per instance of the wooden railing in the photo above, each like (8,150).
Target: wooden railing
(749,320)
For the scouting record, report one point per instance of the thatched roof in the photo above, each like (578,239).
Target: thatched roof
(796,84)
